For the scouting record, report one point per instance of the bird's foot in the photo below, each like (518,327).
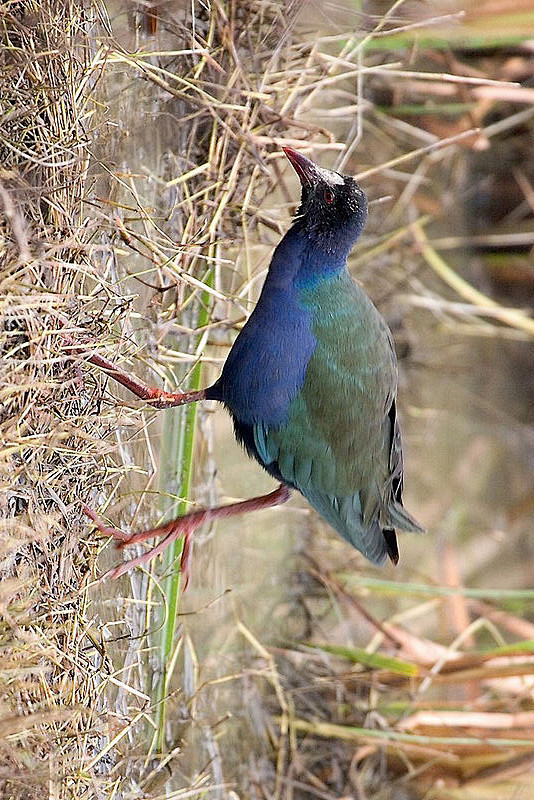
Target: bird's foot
(183,526)
(158,398)
(107,530)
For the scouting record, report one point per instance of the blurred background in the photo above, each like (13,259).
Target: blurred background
(143,190)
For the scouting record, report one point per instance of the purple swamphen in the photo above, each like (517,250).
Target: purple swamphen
(310,383)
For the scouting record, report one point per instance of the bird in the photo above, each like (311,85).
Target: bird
(310,384)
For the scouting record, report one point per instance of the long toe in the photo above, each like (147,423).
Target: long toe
(144,558)
(151,533)
(183,525)
(107,530)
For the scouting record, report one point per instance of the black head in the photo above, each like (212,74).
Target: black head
(333,208)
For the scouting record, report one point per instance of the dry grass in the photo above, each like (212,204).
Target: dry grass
(132,187)
(53,449)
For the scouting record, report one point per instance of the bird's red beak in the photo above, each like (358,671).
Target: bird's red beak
(305,169)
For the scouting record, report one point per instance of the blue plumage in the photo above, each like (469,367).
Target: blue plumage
(311,380)
(266,367)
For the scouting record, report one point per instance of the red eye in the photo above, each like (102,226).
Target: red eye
(328,196)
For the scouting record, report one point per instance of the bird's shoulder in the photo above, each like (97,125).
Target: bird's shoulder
(347,324)
(353,368)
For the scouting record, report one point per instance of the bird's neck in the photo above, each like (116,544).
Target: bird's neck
(301,261)
(319,265)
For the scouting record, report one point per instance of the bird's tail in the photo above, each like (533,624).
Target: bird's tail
(400,518)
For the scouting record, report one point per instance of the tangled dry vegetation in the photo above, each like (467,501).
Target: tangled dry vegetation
(131,252)
(58,286)
(52,447)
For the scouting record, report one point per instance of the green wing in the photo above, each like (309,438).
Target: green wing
(341,446)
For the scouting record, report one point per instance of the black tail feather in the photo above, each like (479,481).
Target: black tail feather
(391,544)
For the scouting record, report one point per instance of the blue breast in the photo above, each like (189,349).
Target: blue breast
(267,365)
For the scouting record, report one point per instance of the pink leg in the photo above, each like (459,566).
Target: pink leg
(156,397)
(182,526)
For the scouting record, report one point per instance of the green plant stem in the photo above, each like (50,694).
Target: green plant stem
(176,470)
